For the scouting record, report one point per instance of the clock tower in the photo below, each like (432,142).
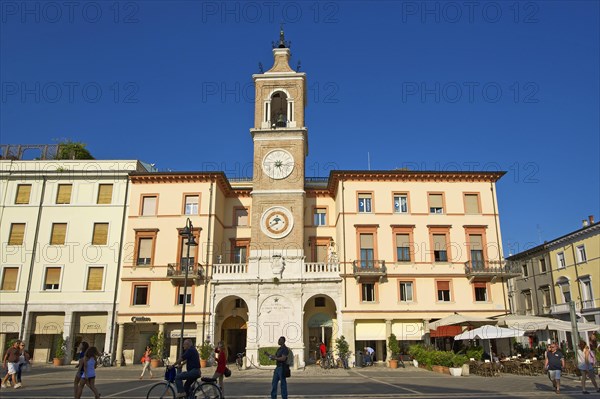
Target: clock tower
(280,150)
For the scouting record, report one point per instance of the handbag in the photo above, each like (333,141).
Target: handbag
(227,372)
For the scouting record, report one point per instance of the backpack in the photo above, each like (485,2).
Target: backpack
(289,363)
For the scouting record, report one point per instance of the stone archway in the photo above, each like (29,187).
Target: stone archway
(321,325)
(234,334)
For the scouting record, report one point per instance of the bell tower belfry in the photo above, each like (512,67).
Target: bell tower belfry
(280,150)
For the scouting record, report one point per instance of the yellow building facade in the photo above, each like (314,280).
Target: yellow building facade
(361,254)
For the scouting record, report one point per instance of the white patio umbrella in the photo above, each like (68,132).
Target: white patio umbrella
(533,323)
(458,319)
(489,332)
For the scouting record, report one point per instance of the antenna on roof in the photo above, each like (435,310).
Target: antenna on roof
(539,231)
(368,160)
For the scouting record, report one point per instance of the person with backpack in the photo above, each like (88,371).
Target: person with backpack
(282,369)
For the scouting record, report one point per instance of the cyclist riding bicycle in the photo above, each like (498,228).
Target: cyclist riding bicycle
(191,358)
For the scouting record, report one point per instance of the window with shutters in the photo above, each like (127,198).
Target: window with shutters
(240,217)
(525,270)
(9,278)
(528,302)
(481,292)
(367,251)
(184,259)
(368,292)
(440,251)
(105,192)
(23,194)
(145,242)
(95,278)
(403,247)
(191,204)
(17,234)
(436,203)
(181,295)
(443,291)
(581,256)
(401,203)
(240,253)
(476,251)
(406,291)
(100,235)
(140,294)
(472,204)
(63,194)
(58,234)
(52,279)
(320,217)
(149,203)
(560,258)
(543,267)
(364,202)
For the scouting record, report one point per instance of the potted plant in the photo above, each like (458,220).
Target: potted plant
(59,351)
(394,348)
(205,350)
(157,346)
(343,350)
(457,362)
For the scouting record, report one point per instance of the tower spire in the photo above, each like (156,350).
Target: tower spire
(282,42)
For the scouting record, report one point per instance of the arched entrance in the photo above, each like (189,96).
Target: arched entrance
(320,319)
(234,332)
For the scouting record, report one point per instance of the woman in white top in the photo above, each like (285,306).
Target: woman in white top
(585,363)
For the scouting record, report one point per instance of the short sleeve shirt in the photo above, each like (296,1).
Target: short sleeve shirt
(192,358)
(13,355)
(282,351)
(554,360)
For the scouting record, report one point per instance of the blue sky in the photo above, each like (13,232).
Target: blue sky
(482,85)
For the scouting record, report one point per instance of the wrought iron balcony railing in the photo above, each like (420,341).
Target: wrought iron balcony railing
(176,271)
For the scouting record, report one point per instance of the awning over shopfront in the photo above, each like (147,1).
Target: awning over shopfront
(446,331)
(91,324)
(408,330)
(320,320)
(370,331)
(49,323)
(10,323)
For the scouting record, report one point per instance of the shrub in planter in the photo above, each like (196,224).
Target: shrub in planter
(157,346)
(394,348)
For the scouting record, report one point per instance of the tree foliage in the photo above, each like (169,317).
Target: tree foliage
(73,150)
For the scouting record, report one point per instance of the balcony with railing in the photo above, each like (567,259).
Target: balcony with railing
(580,306)
(369,268)
(243,271)
(491,270)
(176,272)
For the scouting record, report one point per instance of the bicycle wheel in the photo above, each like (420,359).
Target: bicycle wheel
(238,363)
(162,390)
(208,390)
(106,362)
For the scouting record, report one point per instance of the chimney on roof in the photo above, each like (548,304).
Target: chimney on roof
(591,219)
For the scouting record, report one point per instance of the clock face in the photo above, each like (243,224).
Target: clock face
(276,222)
(278,164)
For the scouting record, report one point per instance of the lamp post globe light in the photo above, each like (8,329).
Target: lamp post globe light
(187,232)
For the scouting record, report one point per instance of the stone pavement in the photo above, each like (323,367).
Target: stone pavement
(45,382)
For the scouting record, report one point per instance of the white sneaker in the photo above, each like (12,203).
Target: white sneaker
(18,385)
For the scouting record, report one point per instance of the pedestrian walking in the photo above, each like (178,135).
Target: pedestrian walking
(221,353)
(11,363)
(23,363)
(585,363)
(555,362)
(81,349)
(146,360)
(279,374)
(88,375)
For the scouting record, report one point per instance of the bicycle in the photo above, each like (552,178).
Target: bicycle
(104,360)
(239,360)
(328,361)
(166,389)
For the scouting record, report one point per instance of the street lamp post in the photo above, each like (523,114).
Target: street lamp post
(188,232)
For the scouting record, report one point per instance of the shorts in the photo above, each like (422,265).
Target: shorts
(554,374)
(12,368)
